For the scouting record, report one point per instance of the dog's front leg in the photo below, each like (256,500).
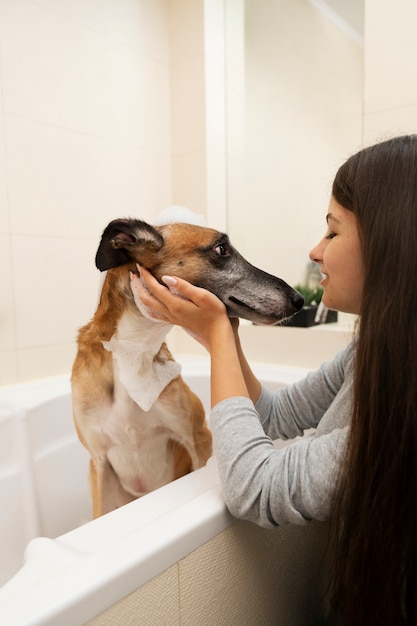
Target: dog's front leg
(107,492)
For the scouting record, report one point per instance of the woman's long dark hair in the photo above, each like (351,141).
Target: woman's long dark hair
(375,568)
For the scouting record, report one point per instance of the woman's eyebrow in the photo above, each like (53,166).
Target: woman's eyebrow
(331,217)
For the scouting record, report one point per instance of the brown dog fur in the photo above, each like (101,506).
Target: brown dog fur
(134,451)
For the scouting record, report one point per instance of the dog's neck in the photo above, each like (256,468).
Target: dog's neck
(143,331)
(134,346)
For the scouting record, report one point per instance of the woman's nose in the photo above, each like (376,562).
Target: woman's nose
(315,254)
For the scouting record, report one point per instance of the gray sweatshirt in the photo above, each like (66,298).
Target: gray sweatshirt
(295,484)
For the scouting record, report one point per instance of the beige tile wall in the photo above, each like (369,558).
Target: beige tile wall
(110,109)
(85,136)
(102,115)
(244,576)
(198,107)
(390,106)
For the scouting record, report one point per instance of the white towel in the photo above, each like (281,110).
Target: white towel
(143,378)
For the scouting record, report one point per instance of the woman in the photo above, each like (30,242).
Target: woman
(359,469)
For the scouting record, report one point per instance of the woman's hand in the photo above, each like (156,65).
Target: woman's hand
(197,310)
(204,316)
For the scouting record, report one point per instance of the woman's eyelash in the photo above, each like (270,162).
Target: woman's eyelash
(330,235)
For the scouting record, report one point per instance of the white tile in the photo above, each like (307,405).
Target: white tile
(139,24)
(4,216)
(391,55)
(188,107)
(382,125)
(59,73)
(214,29)
(139,111)
(7,326)
(187,29)
(56,286)
(45,361)
(75,184)
(215,99)
(235,112)
(235,34)
(46,61)
(8,367)
(216,191)
(142,25)
(163,173)
(189,181)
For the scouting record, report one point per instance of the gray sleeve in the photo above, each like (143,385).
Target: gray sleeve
(268,486)
(286,413)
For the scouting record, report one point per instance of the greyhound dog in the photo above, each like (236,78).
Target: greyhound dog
(139,420)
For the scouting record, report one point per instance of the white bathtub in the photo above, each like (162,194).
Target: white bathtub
(86,566)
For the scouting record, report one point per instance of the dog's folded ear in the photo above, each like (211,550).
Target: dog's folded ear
(124,240)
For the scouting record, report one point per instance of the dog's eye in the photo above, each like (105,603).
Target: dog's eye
(222,249)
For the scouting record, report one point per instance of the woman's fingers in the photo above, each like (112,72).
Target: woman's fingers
(197,310)
(178,287)
(149,306)
(192,300)
(154,289)
(165,300)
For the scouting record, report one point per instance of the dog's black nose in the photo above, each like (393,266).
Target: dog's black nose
(297,300)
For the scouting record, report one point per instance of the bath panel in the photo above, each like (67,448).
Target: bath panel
(50,547)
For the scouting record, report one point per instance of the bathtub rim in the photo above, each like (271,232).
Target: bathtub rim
(76,577)
(71,568)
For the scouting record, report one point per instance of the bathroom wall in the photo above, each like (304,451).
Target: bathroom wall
(106,109)
(197,37)
(303,95)
(294,104)
(84,137)
(390,100)
(113,109)
(102,114)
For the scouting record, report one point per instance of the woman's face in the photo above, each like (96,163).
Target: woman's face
(340,258)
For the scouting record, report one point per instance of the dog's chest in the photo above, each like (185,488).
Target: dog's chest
(127,423)
(137,443)
(134,430)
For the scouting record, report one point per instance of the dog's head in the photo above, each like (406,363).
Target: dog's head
(203,257)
